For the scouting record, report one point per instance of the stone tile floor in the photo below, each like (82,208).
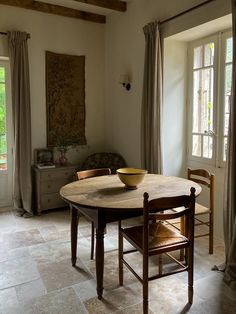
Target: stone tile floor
(36,275)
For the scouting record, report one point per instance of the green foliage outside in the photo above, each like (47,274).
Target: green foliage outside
(2,74)
(3,144)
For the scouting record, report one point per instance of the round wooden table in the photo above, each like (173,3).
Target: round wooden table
(104,199)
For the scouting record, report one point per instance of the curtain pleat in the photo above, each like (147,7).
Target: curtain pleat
(230,178)
(22,183)
(152,101)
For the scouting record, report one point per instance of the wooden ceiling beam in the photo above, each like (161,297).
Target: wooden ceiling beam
(116,5)
(55,9)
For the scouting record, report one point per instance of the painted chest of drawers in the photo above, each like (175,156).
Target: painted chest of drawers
(47,184)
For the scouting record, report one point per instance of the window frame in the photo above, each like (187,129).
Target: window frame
(221,97)
(5,62)
(219,40)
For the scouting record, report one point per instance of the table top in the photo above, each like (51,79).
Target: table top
(108,192)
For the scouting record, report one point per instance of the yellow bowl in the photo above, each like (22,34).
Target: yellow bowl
(131,177)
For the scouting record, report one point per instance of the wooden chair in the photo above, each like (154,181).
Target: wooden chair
(204,178)
(155,237)
(85,174)
(113,161)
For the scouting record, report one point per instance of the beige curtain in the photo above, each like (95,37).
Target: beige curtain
(22,186)
(230,179)
(152,101)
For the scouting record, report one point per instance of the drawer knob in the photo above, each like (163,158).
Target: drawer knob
(49,186)
(49,200)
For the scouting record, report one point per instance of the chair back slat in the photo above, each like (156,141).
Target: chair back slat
(200,172)
(169,202)
(201,176)
(200,181)
(85,174)
(169,216)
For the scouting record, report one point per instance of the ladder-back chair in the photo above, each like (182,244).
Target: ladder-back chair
(204,178)
(85,174)
(156,237)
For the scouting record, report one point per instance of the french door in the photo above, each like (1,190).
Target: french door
(210,96)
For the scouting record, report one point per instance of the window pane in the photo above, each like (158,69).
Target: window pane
(3,145)
(229,50)
(197,57)
(207,147)
(2,74)
(228,78)
(226,124)
(209,54)
(196,149)
(203,101)
(225,149)
(227,92)
(228,83)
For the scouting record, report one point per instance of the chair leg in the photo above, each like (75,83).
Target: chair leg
(74,233)
(160,264)
(92,240)
(120,247)
(145,284)
(145,298)
(190,294)
(211,233)
(190,276)
(181,254)
(182,230)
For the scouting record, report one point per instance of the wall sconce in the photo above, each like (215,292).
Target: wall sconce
(124,80)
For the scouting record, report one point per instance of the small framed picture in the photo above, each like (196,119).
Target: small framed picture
(43,156)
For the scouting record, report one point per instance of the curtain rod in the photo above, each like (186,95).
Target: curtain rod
(186,11)
(5,33)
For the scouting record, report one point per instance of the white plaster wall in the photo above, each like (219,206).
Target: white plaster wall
(68,36)
(125,54)
(174,109)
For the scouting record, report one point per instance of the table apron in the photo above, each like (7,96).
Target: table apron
(101,217)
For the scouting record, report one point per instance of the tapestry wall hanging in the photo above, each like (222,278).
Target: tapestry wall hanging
(65,99)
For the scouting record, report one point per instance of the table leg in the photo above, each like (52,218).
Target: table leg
(74,233)
(100,260)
